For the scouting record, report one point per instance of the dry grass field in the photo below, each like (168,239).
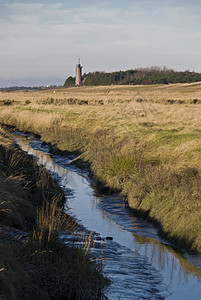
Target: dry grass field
(143,141)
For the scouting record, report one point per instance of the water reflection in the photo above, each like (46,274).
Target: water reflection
(147,236)
(137,247)
(160,256)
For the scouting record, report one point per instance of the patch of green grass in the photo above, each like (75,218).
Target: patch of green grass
(121,164)
(70,115)
(197,130)
(196,150)
(37,110)
(175,139)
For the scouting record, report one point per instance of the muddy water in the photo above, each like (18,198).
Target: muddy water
(139,263)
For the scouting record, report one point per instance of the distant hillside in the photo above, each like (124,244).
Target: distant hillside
(152,75)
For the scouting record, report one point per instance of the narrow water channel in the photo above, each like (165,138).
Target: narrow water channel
(139,263)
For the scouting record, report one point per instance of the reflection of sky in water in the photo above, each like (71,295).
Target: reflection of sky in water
(137,251)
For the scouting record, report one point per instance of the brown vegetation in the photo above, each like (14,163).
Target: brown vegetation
(34,262)
(141,140)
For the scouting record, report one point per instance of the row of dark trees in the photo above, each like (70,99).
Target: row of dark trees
(25,88)
(153,75)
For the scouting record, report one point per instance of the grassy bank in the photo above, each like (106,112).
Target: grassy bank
(34,262)
(143,141)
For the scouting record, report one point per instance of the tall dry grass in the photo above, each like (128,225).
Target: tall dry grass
(34,262)
(141,140)
(67,272)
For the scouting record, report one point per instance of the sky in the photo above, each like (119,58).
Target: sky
(41,41)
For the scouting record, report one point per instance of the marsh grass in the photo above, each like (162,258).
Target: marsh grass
(34,261)
(51,220)
(69,272)
(141,140)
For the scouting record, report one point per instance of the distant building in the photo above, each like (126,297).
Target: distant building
(78,74)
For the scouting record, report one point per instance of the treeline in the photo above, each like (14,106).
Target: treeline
(18,88)
(27,88)
(152,75)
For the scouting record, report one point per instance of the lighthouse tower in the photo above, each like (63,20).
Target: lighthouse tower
(78,74)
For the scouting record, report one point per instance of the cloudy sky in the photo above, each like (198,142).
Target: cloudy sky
(41,41)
